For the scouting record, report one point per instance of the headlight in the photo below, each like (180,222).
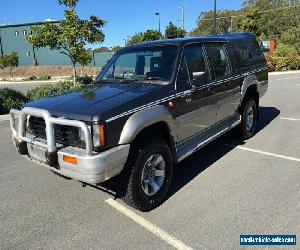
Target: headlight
(99,135)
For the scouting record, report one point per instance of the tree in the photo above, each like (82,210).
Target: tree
(84,59)
(102,49)
(291,37)
(137,38)
(205,23)
(9,61)
(115,49)
(250,21)
(148,35)
(172,31)
(152,35)
(70,36)
(269,17)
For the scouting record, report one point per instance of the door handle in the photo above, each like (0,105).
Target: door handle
(187,93)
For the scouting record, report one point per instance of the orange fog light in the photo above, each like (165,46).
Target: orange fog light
(70,159)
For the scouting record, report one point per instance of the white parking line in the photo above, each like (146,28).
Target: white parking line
(264,153)
(148,225)
(289,119)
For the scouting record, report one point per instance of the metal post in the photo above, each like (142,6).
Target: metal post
(182,19)
(231,24)
(215,17)
(94,60)
(1,49)
(158,14)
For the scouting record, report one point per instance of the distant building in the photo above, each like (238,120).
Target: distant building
(13,38)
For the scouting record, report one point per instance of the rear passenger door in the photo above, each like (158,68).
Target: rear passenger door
(196,105)
(226,88)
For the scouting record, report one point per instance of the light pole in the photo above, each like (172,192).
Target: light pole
(158,14)
(215,17)
(182,16)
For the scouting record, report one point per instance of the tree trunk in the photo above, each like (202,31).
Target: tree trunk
(74,74)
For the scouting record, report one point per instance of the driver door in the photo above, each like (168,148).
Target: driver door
(197,106)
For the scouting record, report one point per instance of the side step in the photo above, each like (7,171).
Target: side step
(193,144)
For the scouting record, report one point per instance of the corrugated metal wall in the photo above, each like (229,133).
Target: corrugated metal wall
(13,38)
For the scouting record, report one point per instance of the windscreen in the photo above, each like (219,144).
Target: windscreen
(147,63)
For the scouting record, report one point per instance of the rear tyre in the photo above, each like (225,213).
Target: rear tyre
(150,174)
(249,113)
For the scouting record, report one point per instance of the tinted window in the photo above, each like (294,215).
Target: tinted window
(196,63)
(246,53)
(219,59)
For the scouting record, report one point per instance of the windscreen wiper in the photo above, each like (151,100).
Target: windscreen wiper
(128,80)
(156,78)
(101,81)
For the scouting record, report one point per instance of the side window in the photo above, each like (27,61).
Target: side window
(242,54)
(219,59)
(245,53)
(255,50)
(196,64)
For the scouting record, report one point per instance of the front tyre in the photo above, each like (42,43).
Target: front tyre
(150,178)
(248,119)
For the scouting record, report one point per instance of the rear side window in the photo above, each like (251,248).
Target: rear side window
(246,53)
(219,58)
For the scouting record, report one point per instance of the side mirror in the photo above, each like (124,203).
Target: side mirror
(199,77)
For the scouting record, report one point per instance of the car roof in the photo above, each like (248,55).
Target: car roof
(215,38)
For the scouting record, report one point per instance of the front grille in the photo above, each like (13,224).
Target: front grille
(65,135)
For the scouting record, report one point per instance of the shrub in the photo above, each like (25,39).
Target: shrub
(283,50)
(44,78)
(270,63)
(84,79)
(30,78)
(9,99)
(286,63)
(9,61)
(40,78)
(48,90)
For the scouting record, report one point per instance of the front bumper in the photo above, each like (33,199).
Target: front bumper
(91,167)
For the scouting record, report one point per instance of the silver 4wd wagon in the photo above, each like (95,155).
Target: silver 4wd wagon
(151,106)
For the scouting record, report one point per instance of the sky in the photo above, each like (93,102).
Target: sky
(124,18)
